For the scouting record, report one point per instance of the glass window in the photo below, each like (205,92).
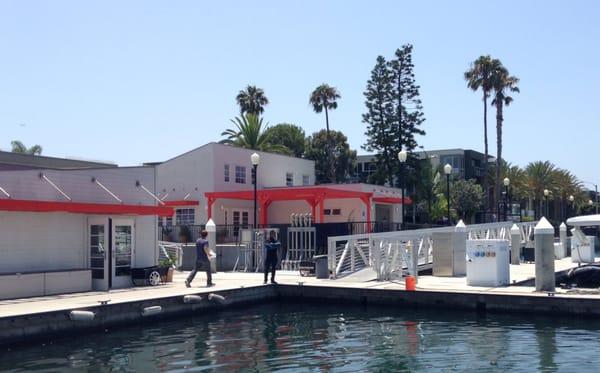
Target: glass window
(123,248)
(336,212)
(184,217)
(226,173)
(305,180)
(289,179)
(240,174)
(327,212)
(97,251)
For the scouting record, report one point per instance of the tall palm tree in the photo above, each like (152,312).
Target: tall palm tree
(252,100)
(325,97)
(540,176)
(250,133)
(19,147)
(479,77)
(565,184)
(502,84)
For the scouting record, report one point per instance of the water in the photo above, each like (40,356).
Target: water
(296,337)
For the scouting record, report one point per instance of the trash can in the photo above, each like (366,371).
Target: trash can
(321,270)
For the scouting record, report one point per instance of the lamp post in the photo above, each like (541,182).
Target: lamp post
(448,171)
(546,194)
(402,155)
(572,210)
(595,193)
(506,182)
(255,159)
(590,203)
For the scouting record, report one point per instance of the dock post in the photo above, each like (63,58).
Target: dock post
(515,245)
(562,233)
(544,256)
(211,229)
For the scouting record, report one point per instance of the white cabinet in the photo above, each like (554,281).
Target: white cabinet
(488,263)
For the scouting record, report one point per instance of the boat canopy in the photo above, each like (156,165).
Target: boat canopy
(584,221)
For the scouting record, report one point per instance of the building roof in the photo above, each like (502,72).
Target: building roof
(19,161)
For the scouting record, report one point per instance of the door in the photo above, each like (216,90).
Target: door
(123,250)
(98,245)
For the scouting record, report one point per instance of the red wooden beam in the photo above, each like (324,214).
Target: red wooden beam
(18,205)
(181,203)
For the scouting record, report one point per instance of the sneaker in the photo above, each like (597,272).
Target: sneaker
(187,284)
(210,285)
(265,282)
(273,282)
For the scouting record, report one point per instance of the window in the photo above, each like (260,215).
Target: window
(327,212)
(240,175)
(184,216)
(226,173)
(289,179)
(336,212)
(305,180)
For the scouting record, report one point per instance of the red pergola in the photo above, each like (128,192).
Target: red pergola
(313,196)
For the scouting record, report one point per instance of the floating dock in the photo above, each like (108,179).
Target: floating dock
(22,320)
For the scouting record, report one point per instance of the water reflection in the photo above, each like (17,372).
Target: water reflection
(324,338)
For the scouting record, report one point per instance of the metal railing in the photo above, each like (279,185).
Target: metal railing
(171,251)
(390,254)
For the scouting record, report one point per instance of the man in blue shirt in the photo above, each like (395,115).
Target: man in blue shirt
(271,247)
(202,260)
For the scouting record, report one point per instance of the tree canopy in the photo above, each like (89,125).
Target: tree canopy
(251,133)
(19,147)
(290,136)
(341,156)
(252,100)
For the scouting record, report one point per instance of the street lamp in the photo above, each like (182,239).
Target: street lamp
(590,203)
(506,182)
(448,171)
(571,200)
(255,159)
(596,193)
(546,194)
(402,155)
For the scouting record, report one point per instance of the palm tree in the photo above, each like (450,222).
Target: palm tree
(252,100)
(19,147)
(325,97)
(540,176)
(250,133)
(480,76)
(565,184)
(502,83)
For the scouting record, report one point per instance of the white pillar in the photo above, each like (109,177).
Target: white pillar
(515,245)
(211,228)
(544,256)
(562,233)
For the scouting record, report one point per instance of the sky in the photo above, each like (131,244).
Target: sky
(141,81)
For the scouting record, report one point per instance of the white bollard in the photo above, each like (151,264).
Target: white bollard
(562,233)
(76,315)
(515,245)
(544,256)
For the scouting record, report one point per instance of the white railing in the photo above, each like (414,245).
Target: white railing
(391,253)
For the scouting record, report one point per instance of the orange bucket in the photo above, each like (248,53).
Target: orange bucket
(411,283)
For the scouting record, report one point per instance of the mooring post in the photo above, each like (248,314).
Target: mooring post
(544,256)
(211,229)
(562,233)
(515,245)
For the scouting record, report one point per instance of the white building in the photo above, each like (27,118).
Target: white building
(76,230)
(215,181)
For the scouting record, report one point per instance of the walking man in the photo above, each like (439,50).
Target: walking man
(271,247)
(202,260)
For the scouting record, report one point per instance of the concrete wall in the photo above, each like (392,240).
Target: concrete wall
(146,247)
(41,284)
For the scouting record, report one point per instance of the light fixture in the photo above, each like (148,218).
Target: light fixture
(571,198)
(546,192)
(402,155)
(255,159)
(506,181)
(590,202)
(447,169)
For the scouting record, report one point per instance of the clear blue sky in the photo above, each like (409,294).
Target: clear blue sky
(136,81)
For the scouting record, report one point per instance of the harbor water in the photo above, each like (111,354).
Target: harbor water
(308,337)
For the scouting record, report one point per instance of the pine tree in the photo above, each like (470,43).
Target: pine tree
(408,110)
(379,120)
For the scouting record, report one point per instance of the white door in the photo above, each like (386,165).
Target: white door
(99,252)
(123,250)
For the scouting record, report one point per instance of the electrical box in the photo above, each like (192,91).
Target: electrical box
(583,247)
(488,263)
(449,253)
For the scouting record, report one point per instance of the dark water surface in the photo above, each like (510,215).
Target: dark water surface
(296,337)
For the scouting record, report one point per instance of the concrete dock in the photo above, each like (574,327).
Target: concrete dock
(22,319)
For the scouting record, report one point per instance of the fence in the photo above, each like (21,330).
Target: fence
(391,253)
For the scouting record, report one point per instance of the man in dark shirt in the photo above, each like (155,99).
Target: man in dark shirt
(271,247)
(202,260)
